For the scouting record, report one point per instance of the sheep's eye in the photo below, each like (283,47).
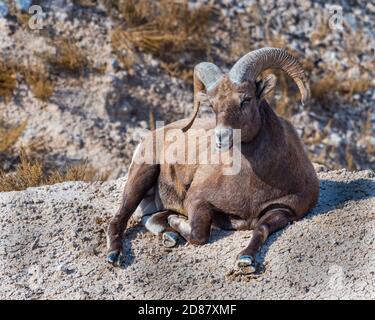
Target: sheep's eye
(244,102)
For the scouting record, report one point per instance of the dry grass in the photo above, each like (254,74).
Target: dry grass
(31,173)
(9,135)
(68,57)
(80,172)
(178,71)
(8,81)
(28,174)
(85,3)
(166,29)
(31,170)
(135,12)
(321,89)
(123,49)
(326,89)
(36,76)
(173,29)
(38,80)
(349,158)
(329,87)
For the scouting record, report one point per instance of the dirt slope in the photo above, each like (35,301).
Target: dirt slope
(52,245)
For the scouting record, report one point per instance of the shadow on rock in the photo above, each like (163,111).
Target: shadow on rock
(333,195)
(129,235)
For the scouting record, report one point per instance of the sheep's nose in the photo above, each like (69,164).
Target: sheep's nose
(223,138)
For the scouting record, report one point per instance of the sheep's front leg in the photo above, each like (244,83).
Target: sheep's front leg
(197,228)
(141,178)
(272,221)
(157,224)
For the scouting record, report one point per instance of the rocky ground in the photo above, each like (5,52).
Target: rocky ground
(52,245)
(52,239)
(98,116)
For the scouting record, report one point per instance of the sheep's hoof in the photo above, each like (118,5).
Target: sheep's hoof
(116,258)
(170,239)
(246,264)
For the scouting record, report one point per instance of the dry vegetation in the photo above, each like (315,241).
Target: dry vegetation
(169,30)
(38,79)
(67,57)
(288,97)
(30,170)
(32,173)
(177,36)
(8,81)
(36,76)
(329,86)
(85,3)
(9,135)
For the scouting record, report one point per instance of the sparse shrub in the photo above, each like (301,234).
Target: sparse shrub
(325,89)
(9,135)
(27,174)
(80,172)
(38,80)
(68,57)
(176,70)
(122,49)
(8,80)
(32,173)
(35,75)
(135,11)
(169,30)
(30,168)
(349,158)
(85,3)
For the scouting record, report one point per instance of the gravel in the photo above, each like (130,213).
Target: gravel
(52,246)
(96,117)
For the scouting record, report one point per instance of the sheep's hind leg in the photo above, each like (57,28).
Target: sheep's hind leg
(157,224)
(272,221)
(197,228)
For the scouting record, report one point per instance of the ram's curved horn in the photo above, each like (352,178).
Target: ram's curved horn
(254,62)
(206,76)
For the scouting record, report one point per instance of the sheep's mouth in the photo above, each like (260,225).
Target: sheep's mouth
(223,138)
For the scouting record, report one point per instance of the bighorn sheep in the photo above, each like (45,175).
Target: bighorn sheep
(276,183)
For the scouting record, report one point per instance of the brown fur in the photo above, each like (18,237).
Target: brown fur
(276,184)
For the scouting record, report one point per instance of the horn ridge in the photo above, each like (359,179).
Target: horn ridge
(206,76)
(253,63)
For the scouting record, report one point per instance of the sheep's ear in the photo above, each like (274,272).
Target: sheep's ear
(265,85)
